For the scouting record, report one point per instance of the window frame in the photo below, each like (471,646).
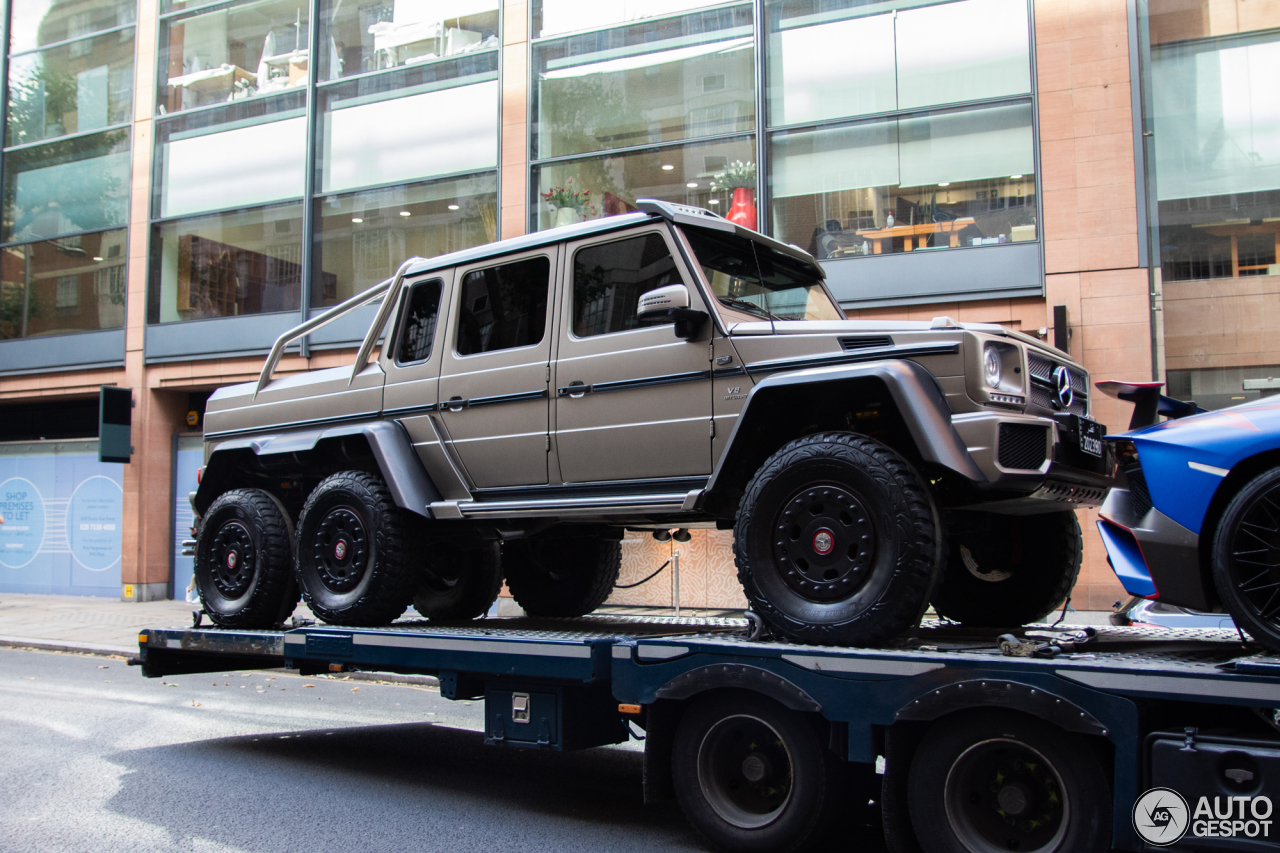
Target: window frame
(403,322)
(570,285)
(460,275)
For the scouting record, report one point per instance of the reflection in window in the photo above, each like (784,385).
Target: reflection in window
(422,309)
(227,54)
(552,17)
(932,181)
(661,81)
(609,279)
(258,160)
(73,88)
(70,185)
(72,284)
(912,57)
(365,236)
(690,174)
(372,35)
(1216,148)
(761,282)
(503,307)
(35,24)
(442,127)
(226,265)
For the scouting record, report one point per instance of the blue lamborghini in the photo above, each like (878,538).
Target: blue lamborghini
(1194,517)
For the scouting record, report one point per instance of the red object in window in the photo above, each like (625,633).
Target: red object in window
(199,475)
(743,211)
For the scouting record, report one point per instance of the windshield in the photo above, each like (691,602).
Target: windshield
(754,279)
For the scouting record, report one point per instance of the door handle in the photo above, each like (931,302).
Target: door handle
(575,389)
(456,404)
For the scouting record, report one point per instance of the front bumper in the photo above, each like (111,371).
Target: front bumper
(1038,458)
(1153,556)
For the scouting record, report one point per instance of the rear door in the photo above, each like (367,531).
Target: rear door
(494,379)
(412,359)
(632,402)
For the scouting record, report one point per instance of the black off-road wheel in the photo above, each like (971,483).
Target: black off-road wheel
(244,561)
(561,577)
(1246,558)
(1006,570)
(351,561)
(838,541)
(751,775)
(986,781)
(458,581)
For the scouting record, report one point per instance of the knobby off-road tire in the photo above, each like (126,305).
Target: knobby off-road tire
(1246,558)
(561,577)
(457,581)
(985,781)
(351,561)
(1009,569)
(244,561)
(751,775)
(838,541)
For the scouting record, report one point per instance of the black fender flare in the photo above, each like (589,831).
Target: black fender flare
(913,389)
(734,675)
(994,693)
(403,472)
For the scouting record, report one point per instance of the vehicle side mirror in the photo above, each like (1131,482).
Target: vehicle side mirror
(671,303)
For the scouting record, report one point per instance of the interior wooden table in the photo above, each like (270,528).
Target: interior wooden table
(1236,231)
(915,236)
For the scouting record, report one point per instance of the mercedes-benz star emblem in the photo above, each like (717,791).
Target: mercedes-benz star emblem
(1064,394)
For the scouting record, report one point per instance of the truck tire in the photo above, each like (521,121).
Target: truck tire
(838,541)
(1006,570)
(990,781)
(456,581)
(561,577)
(351,561)
(1245,547)
(244,561)
(751,775)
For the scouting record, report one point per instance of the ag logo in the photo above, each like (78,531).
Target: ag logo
(1160,817)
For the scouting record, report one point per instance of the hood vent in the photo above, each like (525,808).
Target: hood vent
(866,342)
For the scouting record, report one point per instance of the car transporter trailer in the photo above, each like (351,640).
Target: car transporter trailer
(1068,739)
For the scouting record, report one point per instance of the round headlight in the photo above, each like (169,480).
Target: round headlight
(991,367)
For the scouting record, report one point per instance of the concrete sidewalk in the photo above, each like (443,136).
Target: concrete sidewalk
(108,626)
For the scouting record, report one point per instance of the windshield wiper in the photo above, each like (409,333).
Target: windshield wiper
(749,307)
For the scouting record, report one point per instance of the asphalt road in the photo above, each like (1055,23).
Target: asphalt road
(95,758)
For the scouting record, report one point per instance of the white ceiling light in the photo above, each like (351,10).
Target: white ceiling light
(404,213)
(667,167)
(357,220)
(453,207)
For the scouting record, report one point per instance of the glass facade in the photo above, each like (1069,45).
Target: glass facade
(234,229)
(1215,170)
(890,127)
(925,172)
(66,167)
(661,100)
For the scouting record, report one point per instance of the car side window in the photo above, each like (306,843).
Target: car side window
(609,278)
(503,307)
(422,311)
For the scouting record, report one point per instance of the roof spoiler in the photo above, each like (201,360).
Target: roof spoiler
(1147,401)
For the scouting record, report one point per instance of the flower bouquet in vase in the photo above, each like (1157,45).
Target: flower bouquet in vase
(569,205)
(741,178)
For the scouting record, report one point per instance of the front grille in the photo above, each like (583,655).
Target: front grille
(1043,389)
(1022,446)
(1139,495)
(865,342)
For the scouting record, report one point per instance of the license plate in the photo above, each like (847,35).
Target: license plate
(1090,433)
